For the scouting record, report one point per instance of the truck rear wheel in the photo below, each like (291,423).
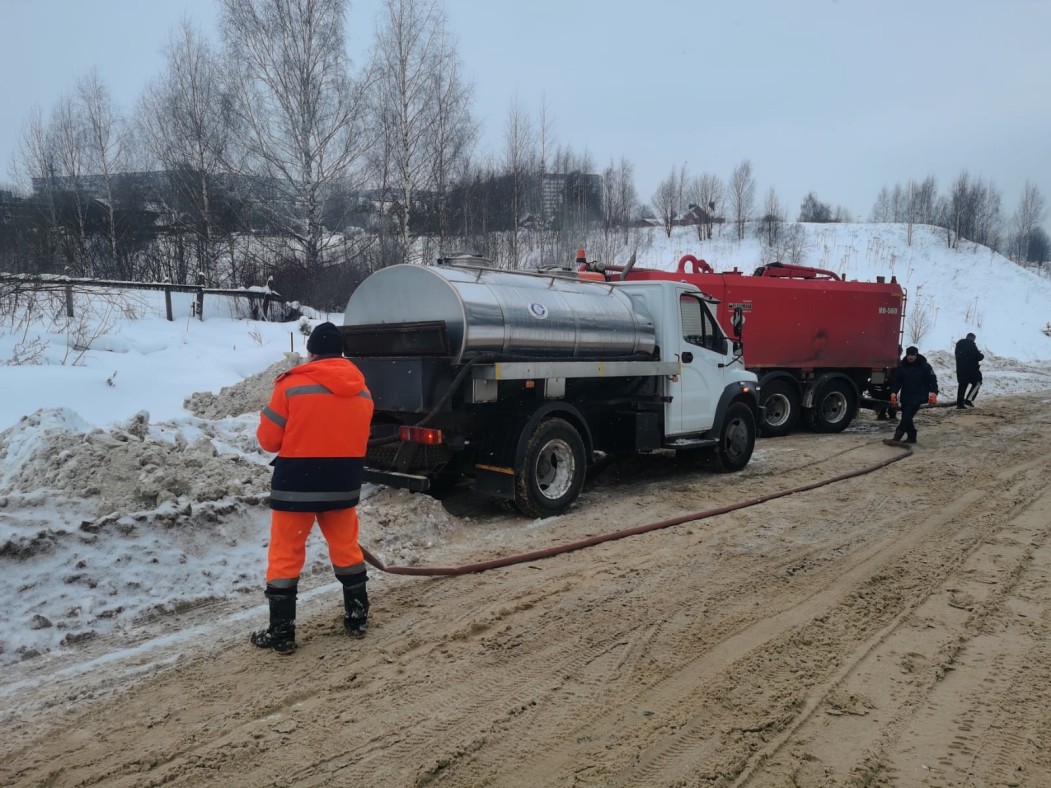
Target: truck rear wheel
(782,404)
(835,403)
(736,439)
(552,471)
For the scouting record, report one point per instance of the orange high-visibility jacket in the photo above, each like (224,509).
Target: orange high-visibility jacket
(318,422)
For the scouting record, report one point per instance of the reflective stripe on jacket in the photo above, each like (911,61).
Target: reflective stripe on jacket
(317,421)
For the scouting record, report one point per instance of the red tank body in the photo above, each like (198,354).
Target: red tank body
(802,317)
(822,346)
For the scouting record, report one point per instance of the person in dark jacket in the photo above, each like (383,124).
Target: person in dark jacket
(968,372)
(317,421)
(914,384)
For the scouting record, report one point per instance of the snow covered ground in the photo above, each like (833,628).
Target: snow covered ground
(131,484)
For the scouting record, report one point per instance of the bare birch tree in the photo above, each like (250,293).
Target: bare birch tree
(106,146)
(545,137)
(67,143)
(988,215)
(185,122)
(421,102)
(881,208)
(973,212)
(789,246)
(299,113)
(742,197)
(1026,221)
(667,200)
(520,151)
(36,162)
(924,201)
(814,210)
(618,204)
(773,218)
(455,132)
(706,191)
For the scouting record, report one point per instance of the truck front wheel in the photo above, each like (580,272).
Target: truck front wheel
(552,470)
(782,404)
(736,439)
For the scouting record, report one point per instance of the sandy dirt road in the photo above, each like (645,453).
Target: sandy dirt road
(889,629)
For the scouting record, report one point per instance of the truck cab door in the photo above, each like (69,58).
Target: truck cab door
(702,348)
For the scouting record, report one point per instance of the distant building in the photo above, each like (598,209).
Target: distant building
(559,190)
(694,215)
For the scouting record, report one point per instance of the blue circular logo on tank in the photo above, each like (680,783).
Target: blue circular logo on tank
(538,310)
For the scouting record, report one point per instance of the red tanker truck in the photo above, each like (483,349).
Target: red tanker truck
(821,346)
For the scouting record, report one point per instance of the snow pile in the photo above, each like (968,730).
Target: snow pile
(103,528)
(400,528)
(250,395)
(127,468)
(101,525)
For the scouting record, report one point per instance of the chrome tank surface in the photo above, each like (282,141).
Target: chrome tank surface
(505,313)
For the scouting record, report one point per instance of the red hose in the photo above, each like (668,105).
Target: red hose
(482,566)
(699,266)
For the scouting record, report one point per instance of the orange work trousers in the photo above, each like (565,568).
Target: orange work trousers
(288,543)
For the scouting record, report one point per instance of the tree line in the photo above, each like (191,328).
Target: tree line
(971,209)
(270,155)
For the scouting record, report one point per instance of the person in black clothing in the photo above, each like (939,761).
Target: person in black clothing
(890,413)
(917,384)
(968,373)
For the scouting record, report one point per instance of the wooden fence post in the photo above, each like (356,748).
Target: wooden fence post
(69,300)
(168,304)
(200,297)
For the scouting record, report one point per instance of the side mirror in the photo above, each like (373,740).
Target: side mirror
(738,321)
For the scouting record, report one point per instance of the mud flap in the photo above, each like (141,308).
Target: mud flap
(495,481)
(494,471)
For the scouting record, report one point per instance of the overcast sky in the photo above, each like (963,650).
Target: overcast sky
(839,97)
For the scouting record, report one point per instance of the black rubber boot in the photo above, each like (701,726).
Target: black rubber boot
(895,441)
(281,634)
(356,610)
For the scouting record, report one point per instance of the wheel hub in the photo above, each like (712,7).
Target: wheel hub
(555,469)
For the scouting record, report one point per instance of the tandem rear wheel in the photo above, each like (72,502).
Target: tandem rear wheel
(835,403)
(782,404)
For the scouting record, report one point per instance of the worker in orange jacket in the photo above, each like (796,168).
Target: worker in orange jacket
(318,422)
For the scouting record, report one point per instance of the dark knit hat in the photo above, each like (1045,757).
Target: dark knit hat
(325,340)
(911,350)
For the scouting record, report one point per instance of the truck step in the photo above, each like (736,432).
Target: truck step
(691,443)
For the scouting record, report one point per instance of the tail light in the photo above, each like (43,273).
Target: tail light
(425,435)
